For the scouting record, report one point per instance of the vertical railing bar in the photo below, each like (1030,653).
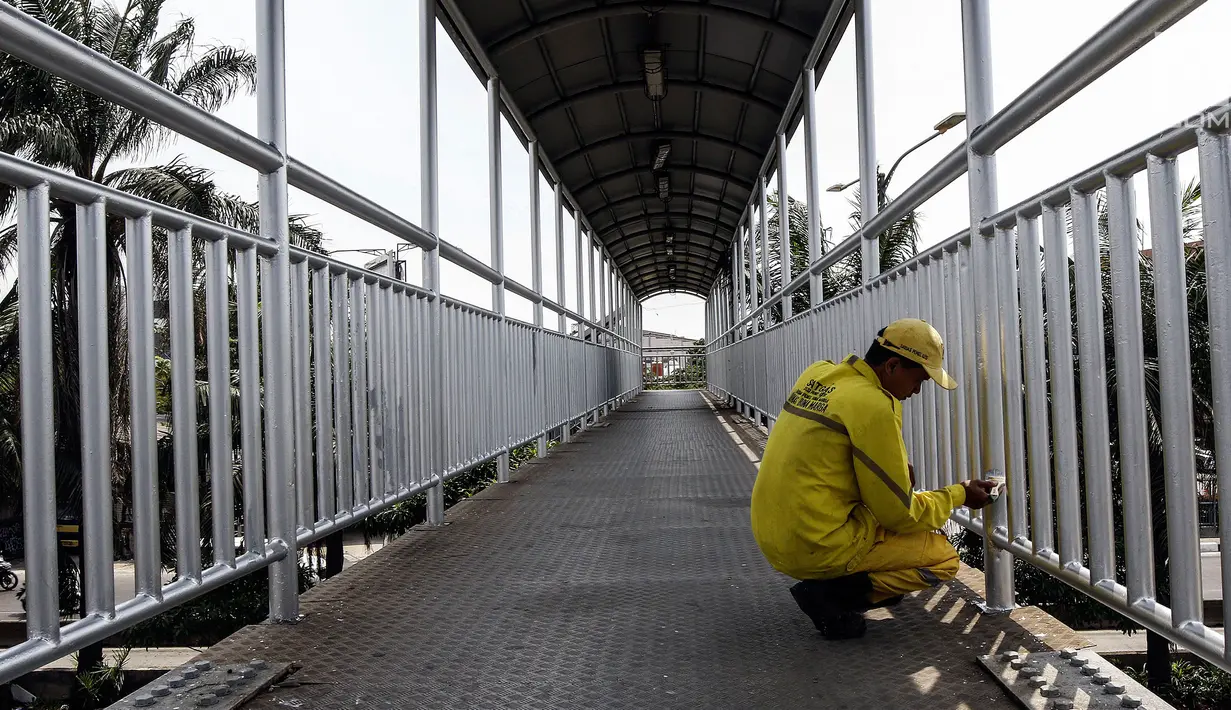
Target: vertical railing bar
(1005,256)
(184,407)
(1034,372)
(967,390)
(359,393)
(218,361)
(1096,432)
(1134,456)
(94,387)
(300,395)
(945,461)
(378,328)
(249,349)
(1214,158)
(402,389)
(449,375)
(1175,386)
(143,429)
(1060,344)
(372,401)
(342,388)
(37,413)
(322,366)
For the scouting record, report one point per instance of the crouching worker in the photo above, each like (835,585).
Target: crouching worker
(833,504)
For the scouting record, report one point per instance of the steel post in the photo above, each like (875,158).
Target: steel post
(496,217)
(976,39)
(275,225)
(812,172)
(869,189)
(430,195)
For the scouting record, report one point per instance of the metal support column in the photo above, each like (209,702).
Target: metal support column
(764,227)
(816,288)
(869,190)
(737,274)
(593,303)
(496,213)
(976,37)
(536,283)
(566,433)
(275,226)
(784,229)
(754,293)
(429,190)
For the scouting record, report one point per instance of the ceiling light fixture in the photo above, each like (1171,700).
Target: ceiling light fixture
(664,187)
(654,66)
(669,236)
(660,157)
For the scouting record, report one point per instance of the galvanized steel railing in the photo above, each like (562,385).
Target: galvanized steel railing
(1016,356)
(673,368)
(355,391)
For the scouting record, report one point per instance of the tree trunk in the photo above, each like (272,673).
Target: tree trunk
(1158,661)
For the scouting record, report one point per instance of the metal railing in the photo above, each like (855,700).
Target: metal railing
(1021,410)
(673,368)
(347,391)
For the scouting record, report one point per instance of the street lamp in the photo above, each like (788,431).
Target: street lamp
(950,121)
(396,253)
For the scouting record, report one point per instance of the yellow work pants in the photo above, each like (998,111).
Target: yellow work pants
(900,564)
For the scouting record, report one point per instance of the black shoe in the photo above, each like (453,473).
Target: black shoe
(844,626)
(822,602)
(891,601)
(809,597)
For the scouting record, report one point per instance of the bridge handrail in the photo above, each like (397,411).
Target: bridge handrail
(999,292)
(356,338)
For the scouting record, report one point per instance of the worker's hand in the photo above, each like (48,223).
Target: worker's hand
(978,493)
(911,469)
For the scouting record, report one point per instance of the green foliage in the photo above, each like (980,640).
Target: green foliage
(103,685)
(1195,685)
(899,243)
(400,517)
(53,122)
(212,617)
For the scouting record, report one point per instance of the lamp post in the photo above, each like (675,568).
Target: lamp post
(950,121)
(399,271)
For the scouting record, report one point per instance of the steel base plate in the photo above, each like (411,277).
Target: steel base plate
(1069,680)
(202,684)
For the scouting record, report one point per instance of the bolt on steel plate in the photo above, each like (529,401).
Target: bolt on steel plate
(1068,680)
(202,684)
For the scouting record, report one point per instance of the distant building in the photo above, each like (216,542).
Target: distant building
(666,344)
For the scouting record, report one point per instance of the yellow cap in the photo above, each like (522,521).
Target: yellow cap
(918,341)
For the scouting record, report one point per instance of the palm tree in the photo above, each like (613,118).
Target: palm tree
(50,121)
(898,244)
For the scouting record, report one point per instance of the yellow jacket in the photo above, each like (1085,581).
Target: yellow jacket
(835,473)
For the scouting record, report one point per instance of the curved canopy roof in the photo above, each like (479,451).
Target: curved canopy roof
(577,69)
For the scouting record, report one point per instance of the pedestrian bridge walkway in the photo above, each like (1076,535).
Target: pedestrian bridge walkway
(619,572)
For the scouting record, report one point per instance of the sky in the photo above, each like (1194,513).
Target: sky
(353,88)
